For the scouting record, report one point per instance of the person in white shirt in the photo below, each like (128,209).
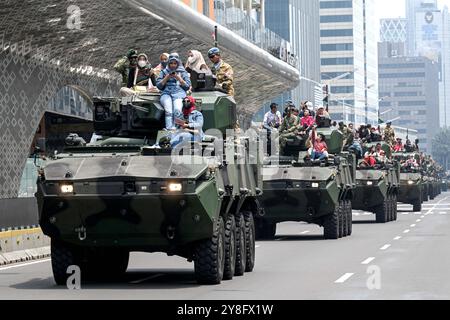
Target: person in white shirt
(272,119)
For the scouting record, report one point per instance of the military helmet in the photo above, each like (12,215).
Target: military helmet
(132,54)
(213,51)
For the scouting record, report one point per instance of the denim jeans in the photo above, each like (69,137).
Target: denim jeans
(181,137)
(318,155)
(172,107)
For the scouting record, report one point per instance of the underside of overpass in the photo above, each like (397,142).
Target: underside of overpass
(46,45)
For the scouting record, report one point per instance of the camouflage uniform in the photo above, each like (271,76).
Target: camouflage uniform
(225,76)
(389,136)
(123,67)
(289,129)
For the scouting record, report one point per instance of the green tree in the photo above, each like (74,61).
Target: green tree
(441,147)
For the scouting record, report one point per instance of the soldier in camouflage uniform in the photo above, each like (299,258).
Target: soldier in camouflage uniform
(124,65)
(389,134)
(222,70)
(289,128)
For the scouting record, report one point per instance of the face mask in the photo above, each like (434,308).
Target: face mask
(142,63)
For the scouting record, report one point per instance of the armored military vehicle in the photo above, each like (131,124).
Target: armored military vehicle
(99,202)
(413,184)
(300,190)
(377,186)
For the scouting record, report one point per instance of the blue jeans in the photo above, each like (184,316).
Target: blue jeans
(181,137)
(318,155)
(172,107)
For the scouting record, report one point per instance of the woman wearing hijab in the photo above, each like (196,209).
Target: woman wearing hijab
(195,61)
(189,124)
(173,82)
(140,78)
(163,60)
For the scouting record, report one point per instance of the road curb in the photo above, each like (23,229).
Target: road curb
(7,258)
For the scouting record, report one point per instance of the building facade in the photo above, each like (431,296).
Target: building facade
(297,22)
(349,59)
(393,30)
(409,90)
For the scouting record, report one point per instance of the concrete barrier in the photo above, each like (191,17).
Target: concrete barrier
(20,245)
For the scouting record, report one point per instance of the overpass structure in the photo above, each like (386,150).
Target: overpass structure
(46,45)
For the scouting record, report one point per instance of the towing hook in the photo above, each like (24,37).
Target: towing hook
(81,233)
(170,233)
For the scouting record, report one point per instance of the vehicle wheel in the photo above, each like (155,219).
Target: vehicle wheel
(417,207)
(266,230)
(250,241)
(395,202)
(350,218)
(344,218)
(341,220)
(209,262)
(241,253)
(331,225)
(382,212)
(63,257)
(230,248)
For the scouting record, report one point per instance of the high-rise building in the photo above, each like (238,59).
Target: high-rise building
(409,94)
(393,30)
(297,21)
(428,36)
(349,59)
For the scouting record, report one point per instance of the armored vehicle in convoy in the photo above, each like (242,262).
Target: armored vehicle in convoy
(98,202)
(377,186)
(413,184)
(300,190)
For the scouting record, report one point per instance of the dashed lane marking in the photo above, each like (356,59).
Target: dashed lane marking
(385,247)
(413,225)
(397,238)
(368,260)
(418,220)
(405,213)
(24,264)
(344,278)
(406,231)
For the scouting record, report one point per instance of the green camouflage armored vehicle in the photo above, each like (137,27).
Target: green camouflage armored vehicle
(99,202)
(301,190)
(377,186)
(413,184)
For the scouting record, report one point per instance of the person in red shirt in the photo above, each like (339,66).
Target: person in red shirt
(307,120)
(319,148)
(398,146)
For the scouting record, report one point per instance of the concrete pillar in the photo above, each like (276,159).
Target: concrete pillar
(263,14)
(248,7)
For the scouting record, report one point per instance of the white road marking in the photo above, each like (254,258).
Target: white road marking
(344,278)
(405,213)
(356,214)
(24,264)
(406,231)
(443,212)
(413,226)
(418,220)
(368,260)
(385,247)
(417,213)
(258,246)
(367,213)
(422,217)
(397,238)
(304,232)
(147,278)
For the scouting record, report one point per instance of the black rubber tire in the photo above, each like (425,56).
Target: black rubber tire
(331,225)
(230,248)
(344,218)
(395,203)
(250,243)
(341,220)
(241,253)
(209,261)
(417,207)
(381,212)
(390,211)
(63,256)
(350,218)
(266,230)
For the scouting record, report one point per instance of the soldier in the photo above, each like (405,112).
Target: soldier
(289,127)
(125,64)
(222,70)
(389,134)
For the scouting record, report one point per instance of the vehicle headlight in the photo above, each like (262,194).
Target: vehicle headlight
(410,182)
(66,188)
(315,185)
(370,183)
(175,187)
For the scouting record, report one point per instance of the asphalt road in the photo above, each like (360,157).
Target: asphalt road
(407,259)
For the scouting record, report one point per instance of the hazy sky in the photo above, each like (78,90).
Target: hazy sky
(396,8)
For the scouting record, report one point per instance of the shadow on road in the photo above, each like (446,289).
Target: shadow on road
(364,222)
(133,279)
